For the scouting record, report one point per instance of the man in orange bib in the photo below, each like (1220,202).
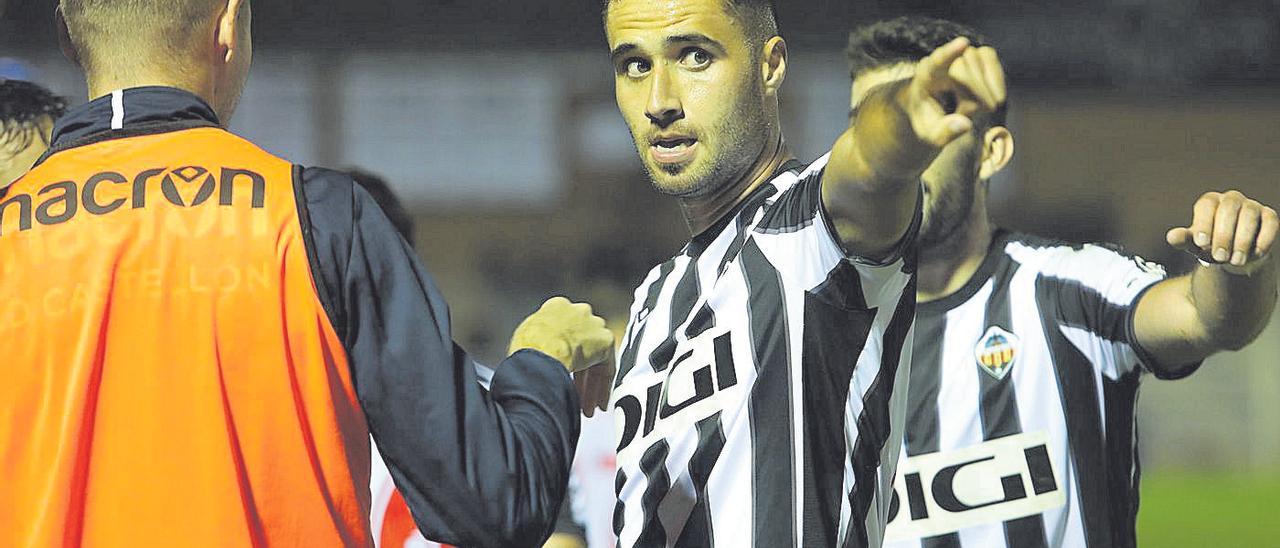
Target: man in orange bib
(199,337)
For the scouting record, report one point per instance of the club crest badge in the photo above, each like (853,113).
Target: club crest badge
(996,352)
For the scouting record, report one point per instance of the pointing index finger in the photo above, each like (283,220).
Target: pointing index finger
(938,64)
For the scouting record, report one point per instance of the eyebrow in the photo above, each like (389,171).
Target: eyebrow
(699,39)
(679,39)
(622,50)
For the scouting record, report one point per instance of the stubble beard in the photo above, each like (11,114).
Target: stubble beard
(951,211)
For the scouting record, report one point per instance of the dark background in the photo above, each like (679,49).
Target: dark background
(1129,44)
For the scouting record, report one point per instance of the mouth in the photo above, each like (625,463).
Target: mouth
(673,150)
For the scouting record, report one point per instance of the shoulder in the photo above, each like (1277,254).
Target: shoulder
(322,183)
(234,144)
(794,199)
(1099,266)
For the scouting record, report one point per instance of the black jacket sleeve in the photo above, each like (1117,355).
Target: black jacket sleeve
(476,467)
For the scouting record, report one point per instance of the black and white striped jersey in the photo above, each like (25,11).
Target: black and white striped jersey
(1020,426)
(761,387)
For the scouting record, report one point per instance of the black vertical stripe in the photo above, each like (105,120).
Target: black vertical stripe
(1083,306)
(874,425)
(619,509)
(753,204)
(926,383)
(1121,397)
(682,300)
(1080,405)
(769,406)
(653,464)
(1042,478)
(998,404)
(702,321)
(922,403)
(628,360)
(699,530)
(834,337)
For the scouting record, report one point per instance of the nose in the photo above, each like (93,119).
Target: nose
(663,107)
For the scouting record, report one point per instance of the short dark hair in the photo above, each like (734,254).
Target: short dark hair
(23,106)
(124,25)
(909,39)
(387,200)
(759,18)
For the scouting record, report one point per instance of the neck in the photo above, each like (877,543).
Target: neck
(101,83)
(702,213)
(947,267)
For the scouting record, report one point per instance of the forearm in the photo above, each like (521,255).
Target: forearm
(883,151)
(871,187)
(1233,309)
(479,468)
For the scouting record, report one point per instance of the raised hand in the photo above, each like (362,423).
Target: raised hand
(572,333)
(1228,228)
(951,86)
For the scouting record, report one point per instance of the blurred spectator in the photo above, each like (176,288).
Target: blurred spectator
(27,114)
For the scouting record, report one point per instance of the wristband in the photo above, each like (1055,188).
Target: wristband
(1247,270)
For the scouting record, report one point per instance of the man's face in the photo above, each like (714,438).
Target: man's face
(16,159)
(691,89)
(950,183)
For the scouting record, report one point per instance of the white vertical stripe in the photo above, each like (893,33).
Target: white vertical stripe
(878,513)
(731,489)
(1038,395)
(117,109)
(959,389)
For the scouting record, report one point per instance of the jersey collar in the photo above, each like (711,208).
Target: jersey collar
(990,263)
(130,113)
(700,241)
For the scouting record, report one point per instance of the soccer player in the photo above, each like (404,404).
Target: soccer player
(761,386)
(27,113)
(200,337)
(1029,351)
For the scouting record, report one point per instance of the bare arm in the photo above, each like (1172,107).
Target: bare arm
(872,182)
(1226,302)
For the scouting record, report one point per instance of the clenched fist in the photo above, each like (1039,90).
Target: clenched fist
(572,333)
(1228,228)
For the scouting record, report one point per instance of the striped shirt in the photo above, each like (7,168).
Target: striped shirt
(1020,428)
(761,388)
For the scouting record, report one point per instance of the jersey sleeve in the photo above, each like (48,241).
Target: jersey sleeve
(799,216)
(477,467)
(1099,288)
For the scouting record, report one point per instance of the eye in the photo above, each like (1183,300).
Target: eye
(695,58)
(635,68)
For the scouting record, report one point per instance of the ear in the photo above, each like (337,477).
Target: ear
(774,67)
(227,32)
(64,37)
(997,151)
